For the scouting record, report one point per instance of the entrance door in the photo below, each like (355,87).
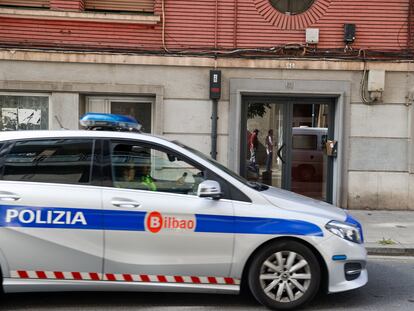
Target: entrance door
(284,144)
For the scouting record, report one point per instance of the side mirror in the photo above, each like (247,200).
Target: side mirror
(171,157)
(209,189)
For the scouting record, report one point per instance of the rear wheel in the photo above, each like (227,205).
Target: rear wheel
(284,275)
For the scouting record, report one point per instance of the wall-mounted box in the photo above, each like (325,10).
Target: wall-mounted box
(312,35)
(376,81)
(349,33)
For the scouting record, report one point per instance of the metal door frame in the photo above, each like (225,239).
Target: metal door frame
(288,103)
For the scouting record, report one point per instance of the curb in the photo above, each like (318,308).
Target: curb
(388,251)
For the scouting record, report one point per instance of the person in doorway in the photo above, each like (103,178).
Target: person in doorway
(253,145)
(269,150)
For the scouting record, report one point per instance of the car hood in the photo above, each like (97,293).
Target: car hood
(298,203)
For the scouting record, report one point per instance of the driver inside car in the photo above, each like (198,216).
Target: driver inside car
(144,176)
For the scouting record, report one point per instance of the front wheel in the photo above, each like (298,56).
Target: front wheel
(284,275)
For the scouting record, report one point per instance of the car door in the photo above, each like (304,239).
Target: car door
(155,225)
(50,213)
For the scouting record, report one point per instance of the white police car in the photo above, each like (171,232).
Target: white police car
(116,210)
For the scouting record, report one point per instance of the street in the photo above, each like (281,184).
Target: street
(390,288)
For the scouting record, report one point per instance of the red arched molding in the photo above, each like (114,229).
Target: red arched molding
(298,21)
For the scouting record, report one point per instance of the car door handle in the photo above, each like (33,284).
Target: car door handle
(7,196)
(125,204)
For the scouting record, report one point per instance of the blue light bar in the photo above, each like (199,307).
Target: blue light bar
(109,122)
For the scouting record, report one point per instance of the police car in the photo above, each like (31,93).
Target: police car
(121,210)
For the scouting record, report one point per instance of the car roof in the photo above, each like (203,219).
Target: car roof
(13,135)
(310,130)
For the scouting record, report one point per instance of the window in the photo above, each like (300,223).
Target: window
(24,112)
(291,7)
(26,3)
(139,110)
(136,166)
(65,161)
(124,5)
(138,107)
(306,142)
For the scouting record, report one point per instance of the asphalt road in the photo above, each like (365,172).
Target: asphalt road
(391,287)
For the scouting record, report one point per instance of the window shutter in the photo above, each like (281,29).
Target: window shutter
(26,3)
(120,5)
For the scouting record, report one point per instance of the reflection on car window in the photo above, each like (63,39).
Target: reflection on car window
(65,161)
(146,168)
(254,185)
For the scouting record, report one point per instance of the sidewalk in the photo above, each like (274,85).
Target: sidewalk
(387,232)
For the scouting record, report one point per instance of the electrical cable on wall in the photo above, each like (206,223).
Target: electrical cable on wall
(364,82)
(164,44)
(274,52)
(363,85)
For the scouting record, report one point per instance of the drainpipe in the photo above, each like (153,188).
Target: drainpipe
(215,94)
(214,121)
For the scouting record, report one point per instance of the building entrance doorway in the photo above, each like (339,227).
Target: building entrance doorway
(284,144)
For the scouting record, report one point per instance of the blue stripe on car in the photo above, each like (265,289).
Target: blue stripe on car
(135,221)
(255,225)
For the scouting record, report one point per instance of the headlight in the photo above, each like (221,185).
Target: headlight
(345,231)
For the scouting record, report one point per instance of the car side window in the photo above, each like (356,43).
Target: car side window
(147,167)
(305,142)
(63,161)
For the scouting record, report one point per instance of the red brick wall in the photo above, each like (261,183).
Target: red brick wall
(67,5)
(411,26)
(381,25)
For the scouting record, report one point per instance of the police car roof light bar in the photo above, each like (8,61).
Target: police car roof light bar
(109,122)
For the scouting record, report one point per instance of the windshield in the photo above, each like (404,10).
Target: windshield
(252,184)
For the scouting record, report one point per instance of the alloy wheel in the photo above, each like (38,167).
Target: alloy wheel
(285,276)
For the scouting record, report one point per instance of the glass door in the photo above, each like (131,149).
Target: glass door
(284,144)
(264,142)
(310,167)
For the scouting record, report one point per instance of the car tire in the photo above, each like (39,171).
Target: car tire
(284,275)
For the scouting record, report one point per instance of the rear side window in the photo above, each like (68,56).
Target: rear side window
(306,142)
(63,161)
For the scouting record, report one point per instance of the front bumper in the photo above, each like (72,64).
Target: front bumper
(356,255)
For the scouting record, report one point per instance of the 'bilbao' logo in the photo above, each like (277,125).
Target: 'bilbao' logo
(155,222)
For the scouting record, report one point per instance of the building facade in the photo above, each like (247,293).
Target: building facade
(318,73)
